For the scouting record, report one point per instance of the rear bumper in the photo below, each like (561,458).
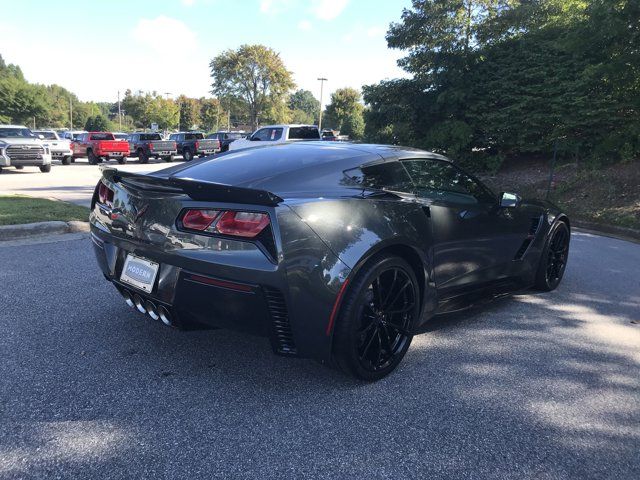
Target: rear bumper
(161,153)
(250,301)
(61,153)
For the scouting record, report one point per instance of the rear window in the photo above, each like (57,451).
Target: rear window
(150,136)
(233,136)
(102,136)
(303,133)
(193,136)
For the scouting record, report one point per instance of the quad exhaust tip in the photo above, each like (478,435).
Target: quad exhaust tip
(139,303)
(165,316)
(127,297)
(152,310)
(147,306)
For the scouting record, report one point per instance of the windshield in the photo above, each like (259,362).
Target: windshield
(234,136)
(11,132)
(47,135)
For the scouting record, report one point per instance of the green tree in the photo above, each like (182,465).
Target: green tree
(211,114)
(304,107)
(99,123)
(254,74)
(345,113)
(189,113)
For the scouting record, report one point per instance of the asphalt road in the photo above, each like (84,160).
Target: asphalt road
(538,386)
(72,183)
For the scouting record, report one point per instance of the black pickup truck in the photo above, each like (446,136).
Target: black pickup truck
(148,145)
(226,138)
(190,144)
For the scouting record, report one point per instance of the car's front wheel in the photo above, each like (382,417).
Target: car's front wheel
(45,168)
(374,328)
(553,260)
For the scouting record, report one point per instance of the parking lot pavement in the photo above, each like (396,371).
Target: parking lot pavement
(541,386)
(72,183)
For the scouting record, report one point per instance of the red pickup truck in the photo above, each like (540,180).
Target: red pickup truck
(99,146)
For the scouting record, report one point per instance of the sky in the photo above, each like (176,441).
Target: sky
(95,48)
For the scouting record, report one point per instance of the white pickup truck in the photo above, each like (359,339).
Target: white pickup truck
(60,148)
(20,148)
(274,134)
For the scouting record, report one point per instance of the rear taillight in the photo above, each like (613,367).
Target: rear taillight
(175,145)
(199,220)
(233,223)
(151,146)
(197,145)
(105,195)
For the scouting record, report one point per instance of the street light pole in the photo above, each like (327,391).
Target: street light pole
(119,112)
(70,114)
(321,80)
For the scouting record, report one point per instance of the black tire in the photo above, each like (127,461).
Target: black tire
(142,156)
(45,168)
(66,160)
(0,169)
(371,315)
(168,159)
(73,160)
(553,260)
(187,155)
(93,160)
(19,167)
(122,160)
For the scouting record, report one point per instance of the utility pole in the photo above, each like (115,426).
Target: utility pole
(229,120)
(321,80)
(119,112)
(70,114)
(34,122)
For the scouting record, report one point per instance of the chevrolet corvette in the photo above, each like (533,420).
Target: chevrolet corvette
(333,251)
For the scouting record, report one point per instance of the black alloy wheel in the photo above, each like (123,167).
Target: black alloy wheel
(187,155)
(374,329)
(553,260)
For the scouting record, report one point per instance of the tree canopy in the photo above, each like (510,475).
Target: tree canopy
(345,113)
(256,76)
(496,78)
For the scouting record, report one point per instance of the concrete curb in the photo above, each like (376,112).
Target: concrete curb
(28,230)
(621,233)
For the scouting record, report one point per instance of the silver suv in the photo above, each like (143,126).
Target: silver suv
(20,147)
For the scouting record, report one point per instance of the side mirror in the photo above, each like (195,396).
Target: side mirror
(509,200)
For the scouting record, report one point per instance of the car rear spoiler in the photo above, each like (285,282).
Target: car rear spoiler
(196,189)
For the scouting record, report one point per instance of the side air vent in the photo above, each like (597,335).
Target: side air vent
(533,230)
(281,327)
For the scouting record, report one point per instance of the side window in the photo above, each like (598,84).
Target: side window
(440,180)
(382,176)
(268,134)
(189,136)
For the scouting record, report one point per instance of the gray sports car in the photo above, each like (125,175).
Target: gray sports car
(338,252)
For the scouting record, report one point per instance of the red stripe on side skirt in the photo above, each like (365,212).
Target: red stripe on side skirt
(220,283)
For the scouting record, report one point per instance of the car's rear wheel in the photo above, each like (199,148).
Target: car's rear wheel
(19,167)
(122,160)
(66,160)
(187,155)
(45,168)
(93,160)
(168,159)
(378,312)
(553,260)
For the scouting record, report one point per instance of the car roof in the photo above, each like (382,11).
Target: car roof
(13,126)
(289,125)
(292,167)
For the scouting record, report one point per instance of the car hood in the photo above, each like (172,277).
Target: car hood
(20,141)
